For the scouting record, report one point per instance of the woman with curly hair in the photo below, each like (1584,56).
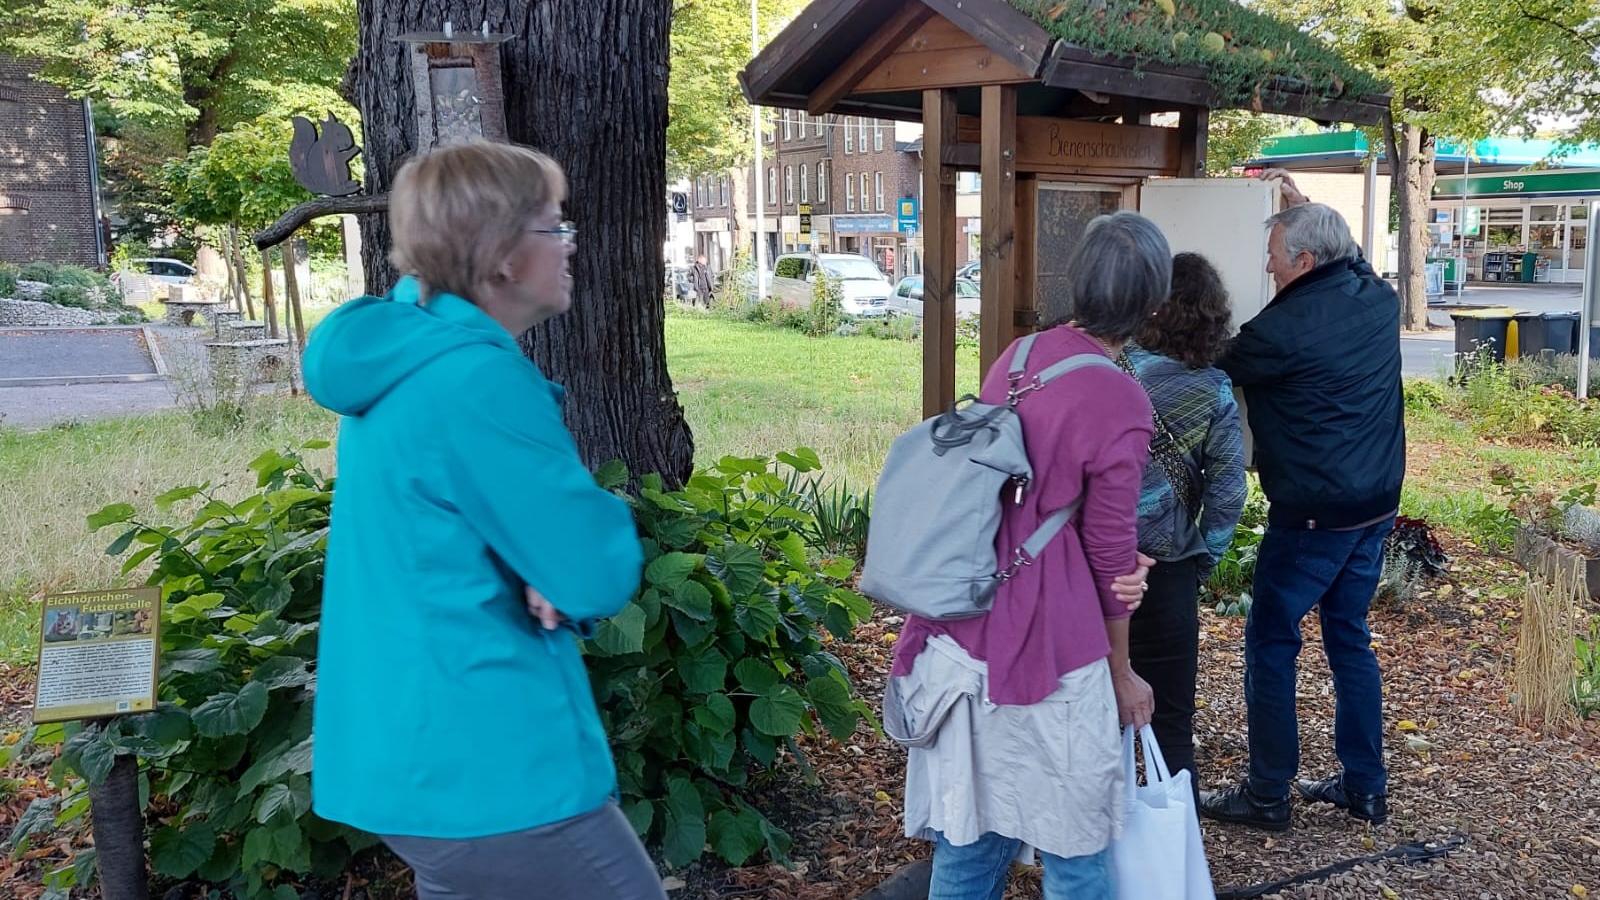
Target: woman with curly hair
(1192,492)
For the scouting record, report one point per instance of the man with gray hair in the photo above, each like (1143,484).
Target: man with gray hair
(1320,369)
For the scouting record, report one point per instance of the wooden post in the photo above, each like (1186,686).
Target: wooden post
(938,252)
(249,307)
(1026,317)
(1193,124)
(998,155)
(291,287)
(269,306)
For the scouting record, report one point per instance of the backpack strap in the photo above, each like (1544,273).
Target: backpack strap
(1016,389)
(1041,538)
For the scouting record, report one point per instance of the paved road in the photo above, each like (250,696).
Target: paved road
(27,353)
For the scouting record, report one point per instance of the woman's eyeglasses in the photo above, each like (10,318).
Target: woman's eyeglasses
(566,231)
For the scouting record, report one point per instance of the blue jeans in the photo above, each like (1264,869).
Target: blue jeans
(980,870)
(1337,572)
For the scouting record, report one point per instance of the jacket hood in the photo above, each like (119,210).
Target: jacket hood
(368,346)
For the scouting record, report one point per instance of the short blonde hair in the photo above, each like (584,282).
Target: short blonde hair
(456,212)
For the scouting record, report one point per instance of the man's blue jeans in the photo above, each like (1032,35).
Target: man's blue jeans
(980,870)
(1337,572)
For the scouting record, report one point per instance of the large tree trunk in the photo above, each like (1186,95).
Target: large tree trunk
(586,82)
(1412,150)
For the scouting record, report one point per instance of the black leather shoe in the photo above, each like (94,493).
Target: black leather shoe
(1238,805)
(1372,808)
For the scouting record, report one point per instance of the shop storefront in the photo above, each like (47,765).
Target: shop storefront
(875,237)
(1510,216)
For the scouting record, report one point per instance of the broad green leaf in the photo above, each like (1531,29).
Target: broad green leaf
(703,672)
(716,714)
(278,672)
(739,566)
(176,495)
(137,558)
(293,800)
(802,460)
(178,852)
(670,570)
(761,748)
(194,607)
(692,599)
(830,697)
(736,836)
(777,712)
(120,544)
(198,661)
(612,475)
(675,531)
(282,845)
(860,607)
(754,675)
(281,500)
(215,754)
(36,819)
(640,814)
(778,841)
(623,633)
(838,620)
(223,864)
(91,753)
(111,515)
(793,547)
(317,444)
(690,631)
(757,615)
(685,834)
(840,568)
(230,713)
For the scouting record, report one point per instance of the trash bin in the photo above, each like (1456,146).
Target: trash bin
(1485,328)
(1529,262)
(1547,333)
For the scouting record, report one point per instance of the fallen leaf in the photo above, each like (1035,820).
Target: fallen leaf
(1579,890)
(1406,725)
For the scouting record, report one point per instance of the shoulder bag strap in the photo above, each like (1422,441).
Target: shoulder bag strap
(1164,448)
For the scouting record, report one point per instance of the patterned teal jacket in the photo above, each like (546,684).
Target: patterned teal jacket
(1198,407)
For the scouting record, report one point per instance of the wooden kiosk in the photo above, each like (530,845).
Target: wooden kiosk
(1052,102)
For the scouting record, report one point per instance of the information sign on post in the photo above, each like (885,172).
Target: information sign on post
(98,654)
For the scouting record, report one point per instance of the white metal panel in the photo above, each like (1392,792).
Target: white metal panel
(1221,219)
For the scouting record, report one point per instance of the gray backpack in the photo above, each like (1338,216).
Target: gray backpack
(936,509)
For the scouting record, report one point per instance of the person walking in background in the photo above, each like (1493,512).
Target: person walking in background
(469,549)
(700,276)
(1012,716)
(1193,490)
(1320,369)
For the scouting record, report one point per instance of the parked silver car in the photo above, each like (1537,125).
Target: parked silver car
(864,288)
(907,299)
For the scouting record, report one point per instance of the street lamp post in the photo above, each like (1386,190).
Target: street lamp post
(755,133)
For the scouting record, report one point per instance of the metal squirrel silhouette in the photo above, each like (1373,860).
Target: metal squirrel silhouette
(321,163)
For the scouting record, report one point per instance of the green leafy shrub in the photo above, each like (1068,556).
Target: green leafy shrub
(708,675)
(1230,583)
(827,297)
(38,271)
(226,758)
(1422,394)
(840,517)
(69,295)
(8,280)
(704,680)
(897,328)
(1586,686)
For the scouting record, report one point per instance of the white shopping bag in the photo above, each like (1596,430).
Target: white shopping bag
(1159,856)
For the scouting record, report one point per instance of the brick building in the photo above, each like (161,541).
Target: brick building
(49,197)
(850,171)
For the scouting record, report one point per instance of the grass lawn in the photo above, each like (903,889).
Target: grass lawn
(747,389)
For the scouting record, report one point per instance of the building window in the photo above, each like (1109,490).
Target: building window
(865,197)
(877,188)
(772,185)
(849,194)
(849,136)
(861,128)
(877,135)
(805,184)
(724,191)
(788,185)
(816,126)
(767,131)
(787,124)
(822,182)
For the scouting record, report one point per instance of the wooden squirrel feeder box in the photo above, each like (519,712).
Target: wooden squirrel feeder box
(456,79)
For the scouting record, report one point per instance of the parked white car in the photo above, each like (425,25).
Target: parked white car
(907,299)
(148,279)
(864,289)
(165,271)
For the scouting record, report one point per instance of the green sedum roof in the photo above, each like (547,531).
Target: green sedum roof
(1241,51)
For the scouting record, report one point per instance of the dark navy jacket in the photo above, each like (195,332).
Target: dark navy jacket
(1320,369)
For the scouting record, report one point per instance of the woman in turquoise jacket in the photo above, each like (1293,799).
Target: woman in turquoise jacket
(469,550)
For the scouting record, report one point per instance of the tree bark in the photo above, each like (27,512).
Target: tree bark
(119,833)
(586,82)
(269,309)
(1412,150)
(247,303)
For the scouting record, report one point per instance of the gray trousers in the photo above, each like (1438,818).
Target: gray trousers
(595,855)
